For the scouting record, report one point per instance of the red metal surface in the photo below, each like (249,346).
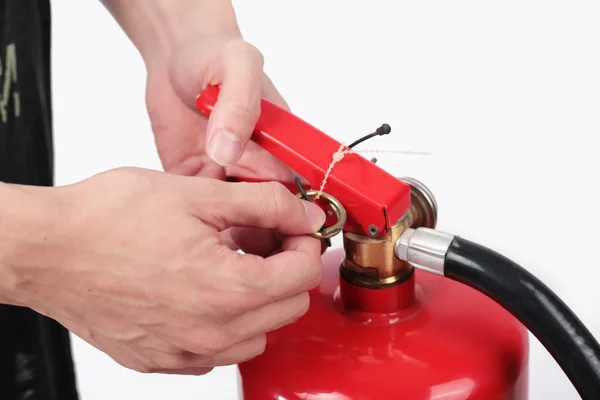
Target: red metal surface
(449,343)
(356,301)
(370,195)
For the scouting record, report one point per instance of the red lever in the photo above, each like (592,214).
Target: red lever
(374,200)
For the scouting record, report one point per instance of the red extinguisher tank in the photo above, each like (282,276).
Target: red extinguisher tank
(425,337)
(439,340)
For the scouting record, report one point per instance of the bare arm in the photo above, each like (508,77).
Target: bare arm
(137,262)
(133,262)
(29,232)
(187,45)
(156,26)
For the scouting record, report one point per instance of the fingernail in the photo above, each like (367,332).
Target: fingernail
(316,216)
(224,148)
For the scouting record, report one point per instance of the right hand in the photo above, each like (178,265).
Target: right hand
(137,267)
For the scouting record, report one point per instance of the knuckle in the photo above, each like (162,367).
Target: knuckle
(312,270)
(236,305)
(279,192)
(209,203)
(260,346)
(202,371)
(303,305)
(245,110)
(144,365)
(210,343)
(171,361)
(274,198)
(295,309)
(299,308)
(252,289)
(216,347)
(316,274)
(268,200)
(197,371)
(246,50)
(142,368)
(254,347)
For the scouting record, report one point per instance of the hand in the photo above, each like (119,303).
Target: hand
(186,46)
(187,142)
(136,267)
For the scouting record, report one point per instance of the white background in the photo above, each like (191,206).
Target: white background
(506,95)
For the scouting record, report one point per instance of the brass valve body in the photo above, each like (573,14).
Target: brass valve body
(371,262)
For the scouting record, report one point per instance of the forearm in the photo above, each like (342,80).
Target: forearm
(27,234)
(155,26)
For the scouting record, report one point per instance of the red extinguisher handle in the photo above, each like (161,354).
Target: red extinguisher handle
(373,199)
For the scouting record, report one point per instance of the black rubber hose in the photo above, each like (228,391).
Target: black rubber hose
(545,315)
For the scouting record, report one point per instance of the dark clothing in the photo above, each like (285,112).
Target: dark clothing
(35,351)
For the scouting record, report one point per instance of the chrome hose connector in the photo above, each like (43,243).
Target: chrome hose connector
(424,248)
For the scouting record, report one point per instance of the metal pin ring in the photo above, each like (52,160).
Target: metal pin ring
(338,209)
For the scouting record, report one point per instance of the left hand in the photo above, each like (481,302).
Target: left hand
(190,144)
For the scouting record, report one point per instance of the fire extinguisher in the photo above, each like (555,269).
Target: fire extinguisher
(404,311)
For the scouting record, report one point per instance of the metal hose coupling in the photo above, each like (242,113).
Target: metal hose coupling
(424,248)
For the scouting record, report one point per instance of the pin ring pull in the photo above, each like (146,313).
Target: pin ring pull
(338,210)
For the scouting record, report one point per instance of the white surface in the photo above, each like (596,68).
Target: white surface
(505,94)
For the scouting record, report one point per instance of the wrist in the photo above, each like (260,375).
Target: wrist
(28,225)
(157,26)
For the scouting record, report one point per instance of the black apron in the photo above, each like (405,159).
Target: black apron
(35,352)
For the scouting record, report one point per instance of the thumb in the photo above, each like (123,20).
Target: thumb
(236,112)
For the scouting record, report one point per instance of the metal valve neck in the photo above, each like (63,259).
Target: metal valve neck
(372,278)
(371,263)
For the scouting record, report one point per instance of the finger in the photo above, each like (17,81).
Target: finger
(196,165)
(179,362)
(256,161)
(194,371)
(236,112)
(211,170)
(297,268)
(260,205)
(238,352)
(260,242)
(270,317)
(243,351)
